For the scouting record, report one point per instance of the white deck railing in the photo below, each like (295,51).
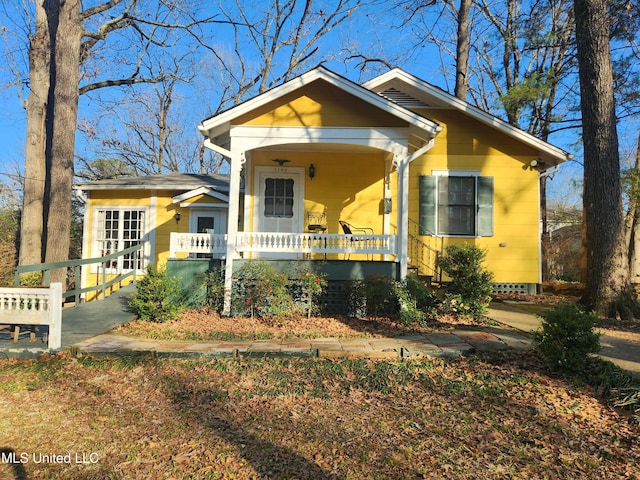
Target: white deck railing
(197,243)
(34,306)
(274,242)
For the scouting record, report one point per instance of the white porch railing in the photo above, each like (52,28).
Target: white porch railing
(213,244)
(275,242)
(34,306)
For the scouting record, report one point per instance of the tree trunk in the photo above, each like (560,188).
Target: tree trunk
(607,287)
(462,50)
(31,231)
(65,78)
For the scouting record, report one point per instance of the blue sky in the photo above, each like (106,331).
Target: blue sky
(375,33)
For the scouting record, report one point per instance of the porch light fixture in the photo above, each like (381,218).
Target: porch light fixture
(312,171)
(537,165)
(177,217)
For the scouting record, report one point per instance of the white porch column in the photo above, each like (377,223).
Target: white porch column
(402,169)
(402,162)
(236,162)
(388,168)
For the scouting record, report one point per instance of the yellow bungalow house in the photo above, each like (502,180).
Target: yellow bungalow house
(377,177)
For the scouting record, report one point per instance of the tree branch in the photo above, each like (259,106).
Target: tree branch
(118,83)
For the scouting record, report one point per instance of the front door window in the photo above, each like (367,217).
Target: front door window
(278,197)
(206,225)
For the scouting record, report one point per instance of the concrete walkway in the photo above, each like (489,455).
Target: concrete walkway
(454,343)
(623,350)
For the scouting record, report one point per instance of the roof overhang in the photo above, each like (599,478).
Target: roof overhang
(403,87)
(171,181)
(197,192)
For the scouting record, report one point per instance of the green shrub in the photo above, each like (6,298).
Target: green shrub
(356,298)
(457,306)
(414,299)
(215,289)
(259,290)
(470,284)
(421,294)
(371,297)
(566,338)
(32,279)
(305,286)
(158,296)
(378,294)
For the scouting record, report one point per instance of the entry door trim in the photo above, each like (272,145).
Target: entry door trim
(297,174)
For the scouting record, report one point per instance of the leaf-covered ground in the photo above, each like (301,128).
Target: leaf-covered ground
(495,417)
(202,324)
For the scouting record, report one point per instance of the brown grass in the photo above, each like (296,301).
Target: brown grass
(493,417)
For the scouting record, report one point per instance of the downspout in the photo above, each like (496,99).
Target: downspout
(237,162)
(544,174)
(402,167)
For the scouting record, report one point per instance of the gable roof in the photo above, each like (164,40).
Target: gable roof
(412,92)
(220,124)
(209,191)
(167,181)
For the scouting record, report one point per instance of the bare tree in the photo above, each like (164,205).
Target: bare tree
(607,285)
(74,40)
(154,131)
(282,40)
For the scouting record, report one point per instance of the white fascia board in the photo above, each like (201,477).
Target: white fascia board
(224,119)
(199,191)
(396,75)
(204,205)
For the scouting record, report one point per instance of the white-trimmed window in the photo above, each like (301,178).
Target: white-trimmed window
(456,203)
(278,197)
(116,229)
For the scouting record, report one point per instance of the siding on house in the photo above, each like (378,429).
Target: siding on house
(348,185)
(319,104)
(465,144)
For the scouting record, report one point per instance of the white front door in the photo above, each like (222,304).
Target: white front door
(208,220)
(279,201)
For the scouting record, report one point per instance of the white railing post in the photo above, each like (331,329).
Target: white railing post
(54,340)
